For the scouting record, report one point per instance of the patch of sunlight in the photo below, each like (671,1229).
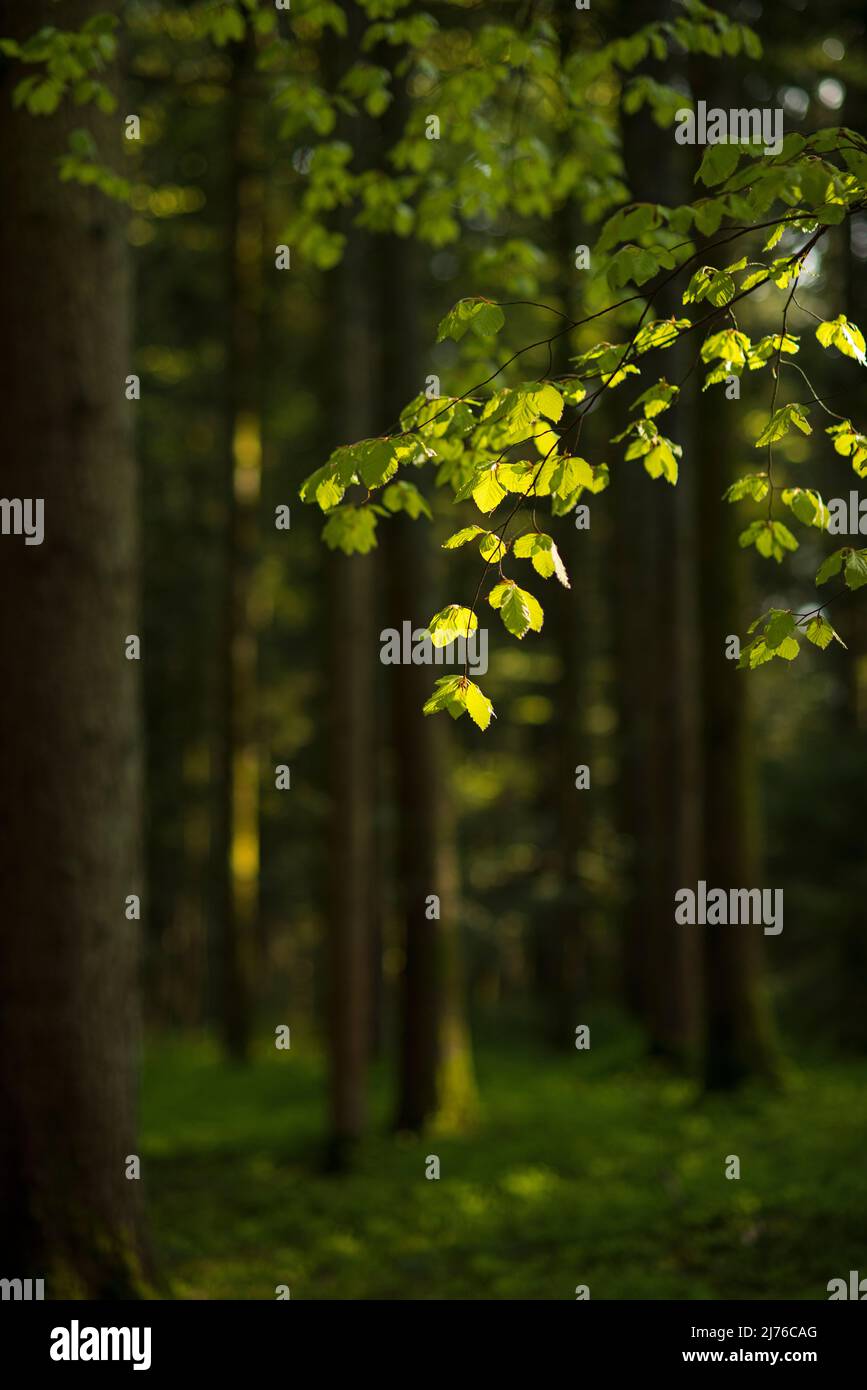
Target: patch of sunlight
(532,709)
(747,1202)
(530,1183)
(245,856)
(456,1084)
(690,1165)
(676,1093)
(342,1243)
(469,1200)
(247,444)
(697,1126)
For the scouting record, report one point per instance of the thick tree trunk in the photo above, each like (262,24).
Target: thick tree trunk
(738,1041)
(69,705)
(662,754)
(737,1037)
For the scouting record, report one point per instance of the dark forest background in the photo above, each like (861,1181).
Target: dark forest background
(305,907)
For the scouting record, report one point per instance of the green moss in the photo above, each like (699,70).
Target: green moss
(596,1168)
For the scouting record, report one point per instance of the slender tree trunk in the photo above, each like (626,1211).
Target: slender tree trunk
(352,650)
(435,1066)
(236,840)
(69,704)
(561,931)
(352,647)
(631,619)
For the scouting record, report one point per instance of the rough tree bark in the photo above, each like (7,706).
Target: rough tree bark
(737,1027)
(738,1038)
(661,658)
(69,706)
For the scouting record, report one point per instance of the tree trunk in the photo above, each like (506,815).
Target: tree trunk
(236,837)
(564,809)
(352,649)
(737,1036)
(435,1066)
(69,703)
(737,1027)
(664,754)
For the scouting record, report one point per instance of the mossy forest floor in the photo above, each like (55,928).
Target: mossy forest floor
(594,1168)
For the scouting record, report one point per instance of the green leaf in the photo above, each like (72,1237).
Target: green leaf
(450,623)
(731,345)
(851,444)
(405,497)
(322,487)
(718,162)
(485,319)
(807,506)
(548,400)
(520,611)
(543,555)
(656,399)
(779,628)
(628,223)
(831,566)
(661,461)
(761,352)
(459,538)
(821,633)
(226,24)
(528,478)
(572,390)
(771,538)
(631,264)
(487,493)
(754,485)
(350,529)
(717,286)
(855,569)
(377,461)
(782,421)
(783,539)
(82,143)
(446,692)
(459,695)
(492,548)
(844,335)
(479,707)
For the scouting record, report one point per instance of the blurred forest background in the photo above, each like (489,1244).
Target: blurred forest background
(306,907)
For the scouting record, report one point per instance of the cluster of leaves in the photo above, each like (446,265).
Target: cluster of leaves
(67,62)
(518,446)
(426,187)
(776,635)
